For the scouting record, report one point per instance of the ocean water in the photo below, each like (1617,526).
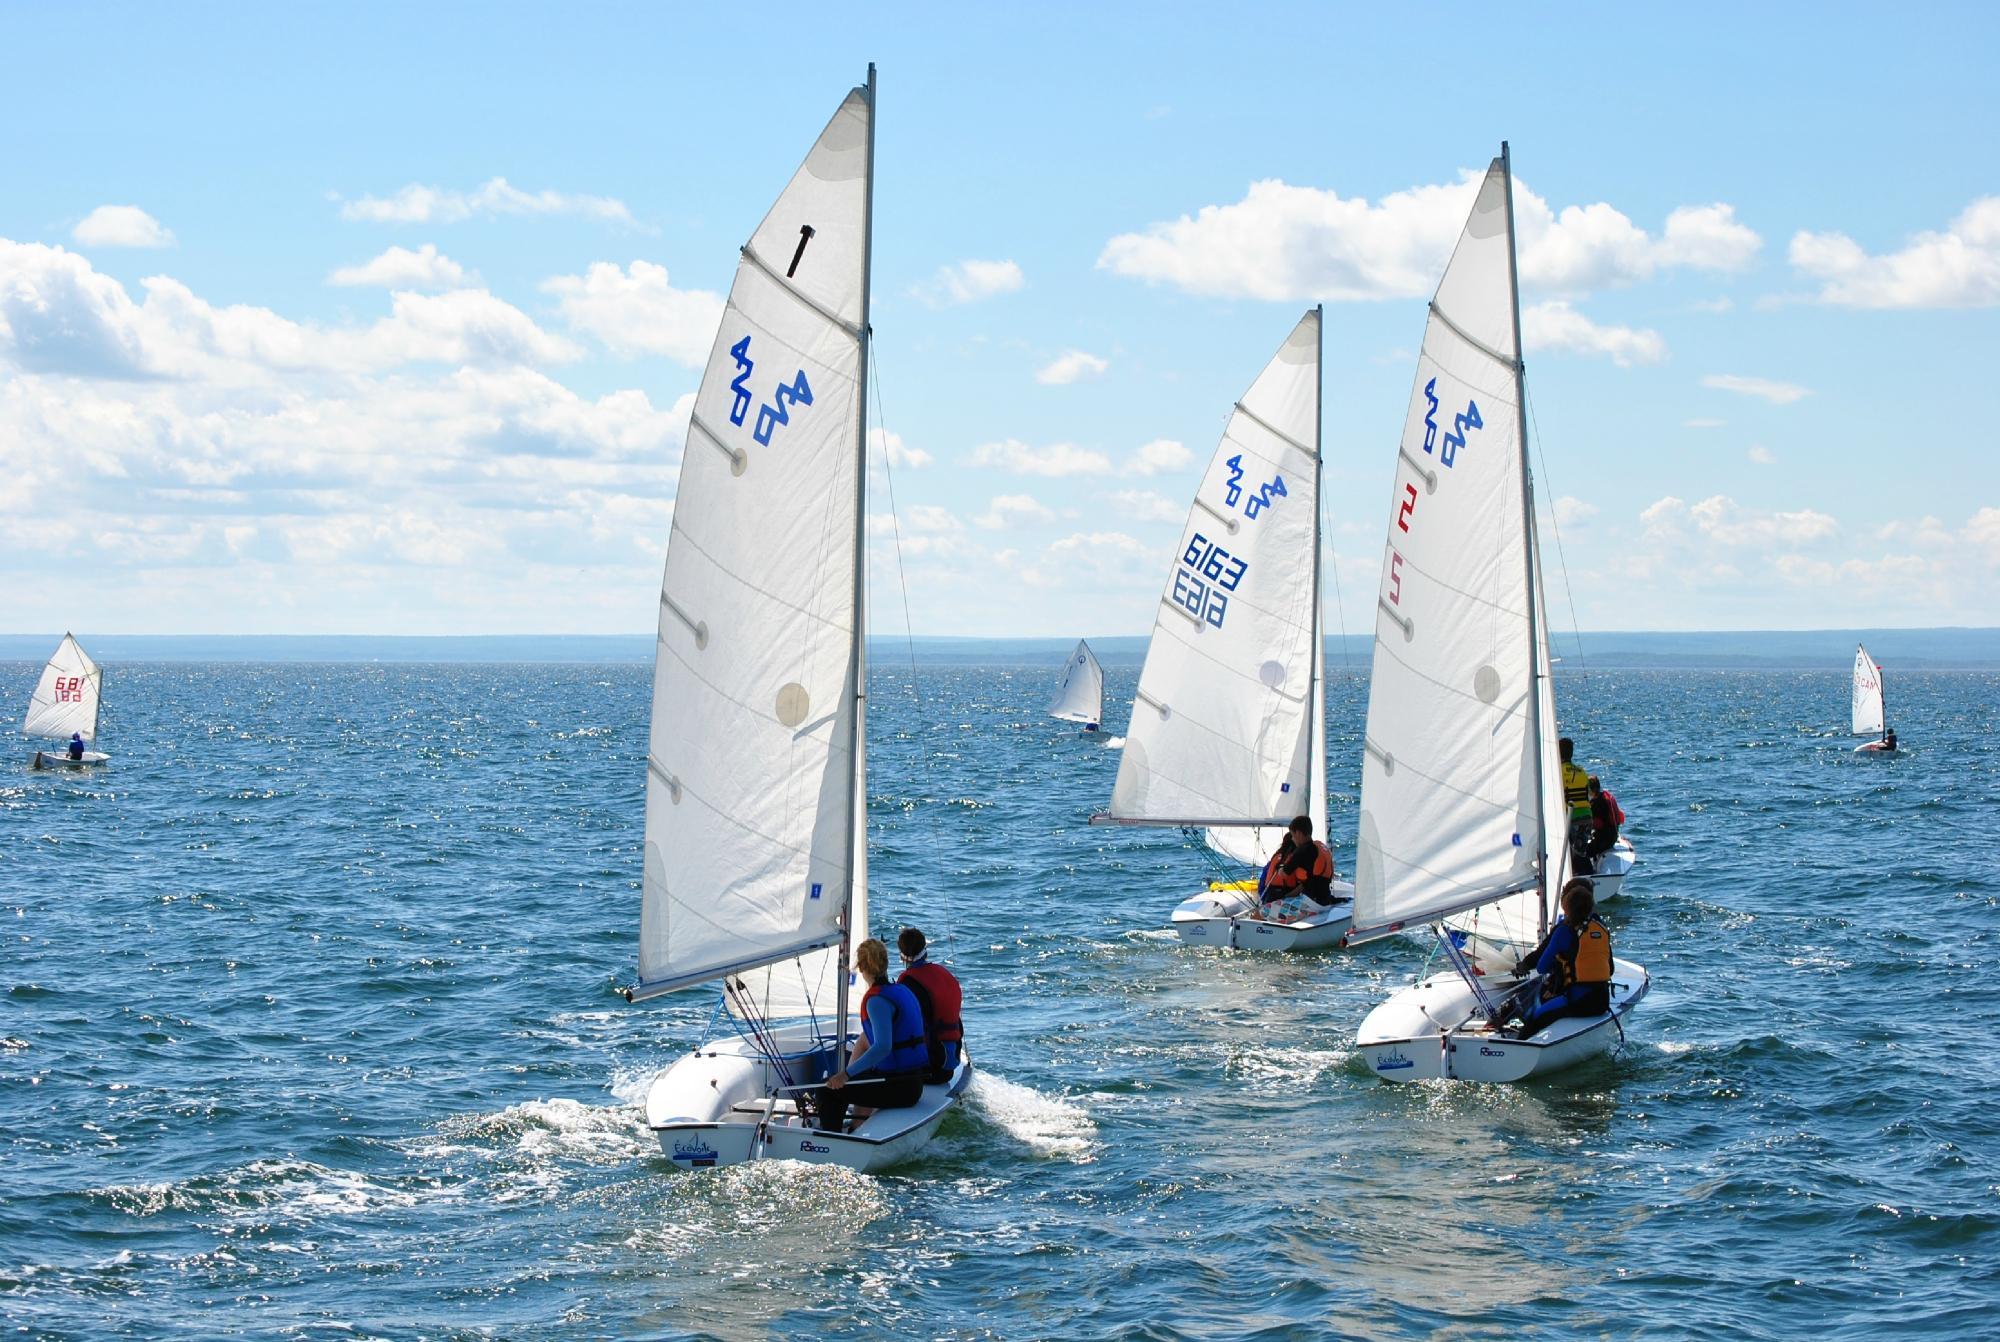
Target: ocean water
(309,1028)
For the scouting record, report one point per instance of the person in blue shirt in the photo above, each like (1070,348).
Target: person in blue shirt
(887,1064)
(76,745)
(1572,969)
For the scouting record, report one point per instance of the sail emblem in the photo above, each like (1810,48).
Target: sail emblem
(1260,498)
(776,411)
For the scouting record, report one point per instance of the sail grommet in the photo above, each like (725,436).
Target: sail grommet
(793,704)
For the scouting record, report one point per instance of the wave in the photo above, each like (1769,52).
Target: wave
(1045,1124)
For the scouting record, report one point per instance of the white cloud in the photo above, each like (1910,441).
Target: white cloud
(1703,423)
(121,226)
(420,204)
(1015,510)
(1159,457)
(1294,243)
(900,456)
(1556,325)
(1777,393)
(1957,268)
(1071,367)
(970,281)
(637,311)
(1572,512)
(1143,505)
(1056,460)
(1761,455)
(928,517)
(401,268)
(1721,520)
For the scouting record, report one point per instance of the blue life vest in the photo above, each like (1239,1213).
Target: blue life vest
(909,1049)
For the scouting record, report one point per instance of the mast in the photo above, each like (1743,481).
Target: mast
(857,782)
(1315,721)
(1528,547)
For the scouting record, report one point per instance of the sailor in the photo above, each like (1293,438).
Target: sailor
(887,1064)
(1888,738)
(1576,791)
(1574,964)
(1298,880)
(1605,818)
(941,999)
(76,745)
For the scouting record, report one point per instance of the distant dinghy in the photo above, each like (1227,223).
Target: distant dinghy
(1080,697)
(67,703)
(756,855)
(1871,711)
(1464,825)
(1228,730)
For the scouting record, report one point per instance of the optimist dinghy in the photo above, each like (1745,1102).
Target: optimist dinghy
(1463,820)
(1228,731)
(1080,697)
(1871,709)
(756,859)
(67,702)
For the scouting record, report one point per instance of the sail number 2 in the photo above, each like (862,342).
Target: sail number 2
(1205,577)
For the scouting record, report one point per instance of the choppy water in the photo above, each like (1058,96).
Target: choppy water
(309,1030)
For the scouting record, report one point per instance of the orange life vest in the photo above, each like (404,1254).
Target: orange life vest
(1591,961)
(1279,873)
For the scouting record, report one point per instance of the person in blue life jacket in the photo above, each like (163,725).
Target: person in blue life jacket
(1573,969)
(887,1064)
(76,745)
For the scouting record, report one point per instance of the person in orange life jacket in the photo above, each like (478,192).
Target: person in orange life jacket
(1605,817)
(1574,962)
(887,1063)
(1299,877)
(942,1000)
(1576,791)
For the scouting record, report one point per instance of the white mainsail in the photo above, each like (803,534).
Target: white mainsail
(1459,792)
(68,698)
(1222,726)
(755,849)
(1868,712)
(1080,697)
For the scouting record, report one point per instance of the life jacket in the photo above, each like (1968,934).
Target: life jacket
(942,1001)
(1576,790)
(1590,962)
(1279,873)
(908,1051)
(1617,811)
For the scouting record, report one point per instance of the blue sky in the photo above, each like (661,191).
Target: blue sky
(382,319)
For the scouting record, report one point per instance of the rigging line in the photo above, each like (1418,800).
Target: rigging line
(1562,562)
(1339,607)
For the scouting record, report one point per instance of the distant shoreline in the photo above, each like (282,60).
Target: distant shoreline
(1828,649)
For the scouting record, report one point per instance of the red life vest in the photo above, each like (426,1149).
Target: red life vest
(942,998)
(1617,811)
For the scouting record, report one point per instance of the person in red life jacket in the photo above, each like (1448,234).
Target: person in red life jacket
(887,1064)
(942,1000)
(1605,818)
(1573,965)
(1298,880)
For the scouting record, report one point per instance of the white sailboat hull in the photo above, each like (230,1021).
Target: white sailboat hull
(1222,918)
(1426,1032)
(722,1105)
(61,759)
(1612,869)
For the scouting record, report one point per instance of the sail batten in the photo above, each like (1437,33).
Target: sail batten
(752,803)
(1221,720)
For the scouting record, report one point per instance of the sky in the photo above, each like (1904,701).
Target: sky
(386,319)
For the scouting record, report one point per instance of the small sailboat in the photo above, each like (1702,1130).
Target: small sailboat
(1463,819)
(1228,732)
(1871,713)
(1080,697)
(756,856)
(66,705)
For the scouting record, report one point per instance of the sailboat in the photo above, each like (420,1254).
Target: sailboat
(1463,819)
(756,857)
(1080,697)
(1228,731)
(67,703)
(1871,712)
